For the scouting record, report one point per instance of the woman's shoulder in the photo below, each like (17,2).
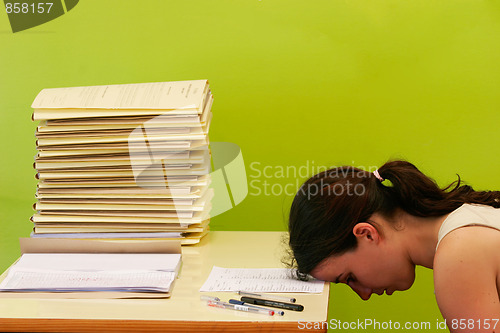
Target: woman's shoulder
(473,248)
(469,238)
(478,242)
(469,229)
(466,265)
(468,215)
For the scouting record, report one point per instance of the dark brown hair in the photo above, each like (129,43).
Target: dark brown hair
(329,204)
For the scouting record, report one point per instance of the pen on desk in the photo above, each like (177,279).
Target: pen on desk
(224,305)
(235,301)
(267,296)
(209,298)
(274,304)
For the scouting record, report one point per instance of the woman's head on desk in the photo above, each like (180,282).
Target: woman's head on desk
(369,229)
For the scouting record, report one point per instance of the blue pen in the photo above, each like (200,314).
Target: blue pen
(235,301)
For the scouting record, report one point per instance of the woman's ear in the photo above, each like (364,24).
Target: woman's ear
(367,232)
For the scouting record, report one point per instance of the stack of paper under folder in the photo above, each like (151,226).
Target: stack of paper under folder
(123,161)
(82,268)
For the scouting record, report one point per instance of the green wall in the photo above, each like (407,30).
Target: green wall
(297,84)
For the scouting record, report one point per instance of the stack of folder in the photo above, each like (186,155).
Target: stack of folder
(123,161)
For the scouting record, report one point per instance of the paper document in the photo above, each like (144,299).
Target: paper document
(99,261)
(157,95)
(73,281)
(258,280)
(71,272)
(109,235)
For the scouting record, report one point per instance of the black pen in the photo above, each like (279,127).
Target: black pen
(268,296)
(274,304)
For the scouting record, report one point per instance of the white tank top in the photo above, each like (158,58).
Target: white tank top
(470,214)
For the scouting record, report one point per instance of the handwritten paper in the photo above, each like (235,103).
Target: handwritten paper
(72,281)
(71,272)
(258,280)
(99,261)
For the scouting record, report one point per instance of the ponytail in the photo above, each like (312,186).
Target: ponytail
(328,206)
(419,195)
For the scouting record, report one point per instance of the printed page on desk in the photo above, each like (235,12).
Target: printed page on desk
(77,272)
(269,280)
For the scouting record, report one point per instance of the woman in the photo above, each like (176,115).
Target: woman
(369,230)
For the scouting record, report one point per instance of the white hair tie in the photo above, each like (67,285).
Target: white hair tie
(377,175)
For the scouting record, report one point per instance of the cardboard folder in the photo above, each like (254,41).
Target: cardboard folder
(40,245)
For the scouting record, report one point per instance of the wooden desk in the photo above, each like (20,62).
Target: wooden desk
(183,312)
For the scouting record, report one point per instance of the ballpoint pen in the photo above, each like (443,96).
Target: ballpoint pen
(235,301)
(267,296)
(224,305)
(274,304)
(209,298)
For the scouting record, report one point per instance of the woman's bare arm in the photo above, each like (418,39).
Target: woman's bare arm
(465,280)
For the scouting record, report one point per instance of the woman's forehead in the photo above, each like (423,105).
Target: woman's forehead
(330,268)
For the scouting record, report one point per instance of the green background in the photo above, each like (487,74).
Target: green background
(296,83)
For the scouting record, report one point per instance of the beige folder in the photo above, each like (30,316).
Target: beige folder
(186,157)
(118,227)
(158,182)
(114,123)
(181,97)
(119,147)
(198,217)
(198,204)
(40,245)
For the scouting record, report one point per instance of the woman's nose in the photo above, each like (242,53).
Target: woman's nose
(362,292)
